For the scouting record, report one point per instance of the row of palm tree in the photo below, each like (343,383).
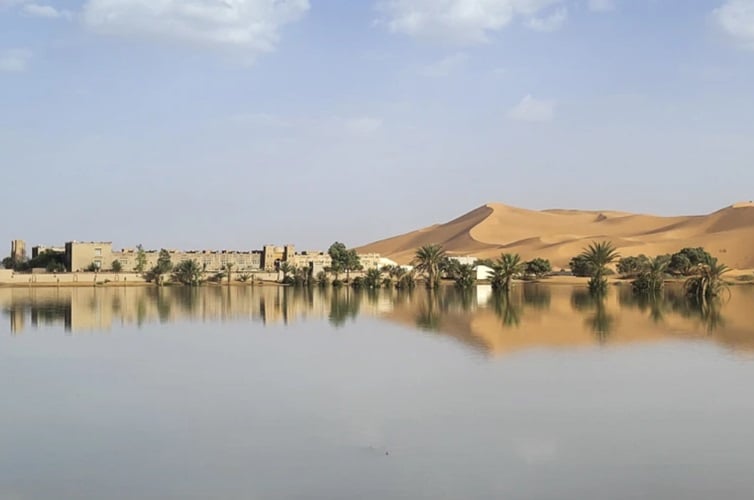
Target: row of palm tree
(432,260)
(705,283)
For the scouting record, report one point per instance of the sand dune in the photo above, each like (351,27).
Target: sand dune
(558,234)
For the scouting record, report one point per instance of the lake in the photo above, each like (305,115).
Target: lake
(282,393)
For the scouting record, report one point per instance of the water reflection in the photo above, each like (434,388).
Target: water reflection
(599,320)
(532,315)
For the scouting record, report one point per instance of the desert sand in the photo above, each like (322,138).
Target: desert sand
(558,235)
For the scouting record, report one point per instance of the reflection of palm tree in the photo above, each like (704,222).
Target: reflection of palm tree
(654,301)
(710,315)
(581,300)
(707,312)
(536,296)
(601,322)
(505,308)
(188,298)
(344,305)
(657,308)
(141,311)
(429,316)
(162,302)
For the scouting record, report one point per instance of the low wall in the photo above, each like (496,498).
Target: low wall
(11,278)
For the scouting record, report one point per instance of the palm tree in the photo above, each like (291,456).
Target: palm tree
(228,268)
(503,271)
(464,275)
(427,260)
(651,279)
(322,279)
(598,255)
(404,280)
(707,282)
(188,272)
(373,278)
(286,269)
(301,276)
(506,309)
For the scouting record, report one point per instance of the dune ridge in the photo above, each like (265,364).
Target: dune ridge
(559,234)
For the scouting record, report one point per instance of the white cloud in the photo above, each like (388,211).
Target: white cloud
(533,110)
(736,17)
(251,25)
(458,21)
(444,66)
(601,5)
(550,22)
(14,60)
(38,10)
(363,125)
(35,9)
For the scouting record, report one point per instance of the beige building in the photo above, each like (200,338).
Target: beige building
(209,260)
(373,261)
(272,256)
(316,261)
(18,250)
(80,256)
(38,250)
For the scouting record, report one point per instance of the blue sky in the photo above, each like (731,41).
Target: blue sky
(232,123)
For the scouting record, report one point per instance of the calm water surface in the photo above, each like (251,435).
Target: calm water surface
(271,393)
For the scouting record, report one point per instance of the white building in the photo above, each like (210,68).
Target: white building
(483,273)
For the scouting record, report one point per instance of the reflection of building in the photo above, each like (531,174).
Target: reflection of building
(17,321)
(89,309)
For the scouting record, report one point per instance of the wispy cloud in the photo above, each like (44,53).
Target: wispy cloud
(47,11)
(444,66)
(14,60)
(464,22)
(533,110)
(736,18)
(549,22)
(602,5)
(250,25)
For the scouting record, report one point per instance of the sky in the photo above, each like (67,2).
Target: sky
(230,124)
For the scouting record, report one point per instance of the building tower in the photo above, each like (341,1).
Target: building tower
(18,250)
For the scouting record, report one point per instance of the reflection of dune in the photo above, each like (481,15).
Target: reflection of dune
(560,234)
(535,316)
(557,325)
